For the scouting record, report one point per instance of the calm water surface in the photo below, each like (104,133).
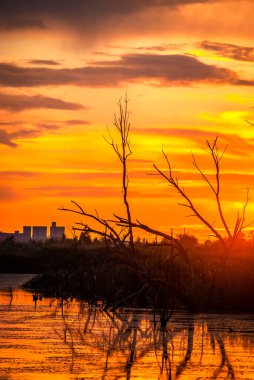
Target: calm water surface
(51,339)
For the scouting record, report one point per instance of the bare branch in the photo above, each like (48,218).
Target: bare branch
(123,151)
(239,226)
(179,247)
(102,222)
(173,181)
(251,124)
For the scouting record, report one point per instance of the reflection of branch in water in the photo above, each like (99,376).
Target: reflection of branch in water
(67,330)
(130,361)
(90,312)
(124,334)
(108,355)
(129,336)
(224,361)
(71,345)
(11,295)
(187,357)
(162,337)
(202,343)
(165,356)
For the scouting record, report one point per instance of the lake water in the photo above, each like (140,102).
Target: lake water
(51,339)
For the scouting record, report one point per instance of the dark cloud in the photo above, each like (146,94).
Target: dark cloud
(162,47)
(241,53)
(5,139)
(78,13)
(25,133)
(9,123)
(42,62)
(39,129)
(6,194)
(48,127)
(24,102)
(53,126)
(77,122)
(162,70)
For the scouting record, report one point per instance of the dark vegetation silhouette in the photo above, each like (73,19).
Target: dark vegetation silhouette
(173,272)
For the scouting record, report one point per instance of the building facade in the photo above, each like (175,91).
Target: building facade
(39,233)
(56,232)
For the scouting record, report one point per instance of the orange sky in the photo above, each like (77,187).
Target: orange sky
(187,66)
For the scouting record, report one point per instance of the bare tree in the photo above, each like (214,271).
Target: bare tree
(106,228)
(109,228)
(215,187)
(123,151)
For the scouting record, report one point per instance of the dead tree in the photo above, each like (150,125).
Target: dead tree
(215,186)
(123,151)
(109,229)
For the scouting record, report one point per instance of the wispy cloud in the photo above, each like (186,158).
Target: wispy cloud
(9,139)
(236,143)
(42,62)
(11,102)
(48,126)
(163,47)
(6,139)
(7,194)
(37,130)
(76,122)
(241,53)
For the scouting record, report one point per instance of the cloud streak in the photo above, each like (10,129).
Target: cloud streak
(238,145)
(156,69)
(240,53)
(41,62)
(11,102)
(6,139)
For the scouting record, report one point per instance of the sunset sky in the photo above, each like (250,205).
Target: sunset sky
(187,67)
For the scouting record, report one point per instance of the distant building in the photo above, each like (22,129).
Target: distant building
(24,236)
(27,233)
(5,235)
(56,232)
(39,233)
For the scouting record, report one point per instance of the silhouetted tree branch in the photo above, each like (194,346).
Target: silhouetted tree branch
(217,156)
(106,228)
(123,222)
(123,151)
(250,123)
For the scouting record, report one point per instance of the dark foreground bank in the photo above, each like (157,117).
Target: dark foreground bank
(155,277)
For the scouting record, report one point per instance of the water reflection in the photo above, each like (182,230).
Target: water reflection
(69,339)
